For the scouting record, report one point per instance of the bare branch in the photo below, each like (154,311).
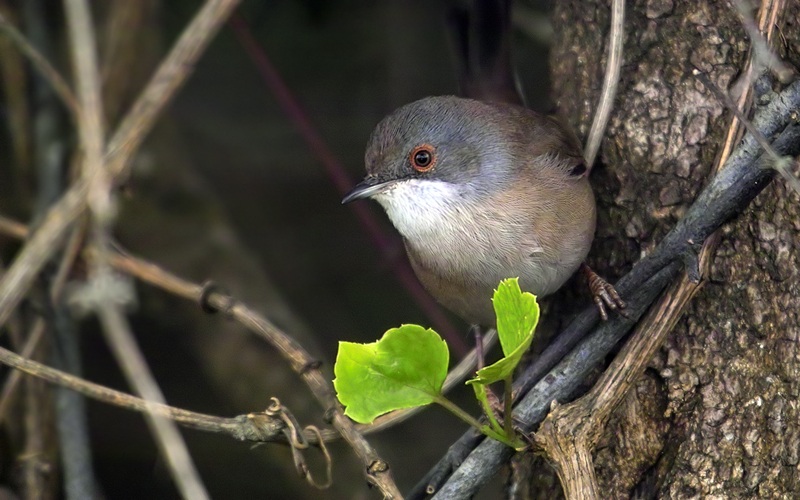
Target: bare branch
(90,116)
(300,361)
(44,243)
(761,52)
(253,427)
(12,381)
(133,364)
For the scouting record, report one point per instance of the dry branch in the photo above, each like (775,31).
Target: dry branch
(298,358)
(172,73)
(41,64)
(45,241)
(616,36)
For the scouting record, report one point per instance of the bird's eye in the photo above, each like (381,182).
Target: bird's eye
(423,158)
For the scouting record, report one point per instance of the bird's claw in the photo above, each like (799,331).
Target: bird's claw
(604,294)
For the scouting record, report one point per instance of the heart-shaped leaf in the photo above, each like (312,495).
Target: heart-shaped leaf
(404,369)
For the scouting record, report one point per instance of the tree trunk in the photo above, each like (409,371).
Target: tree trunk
(716,415)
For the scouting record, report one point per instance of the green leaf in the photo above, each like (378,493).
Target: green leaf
(517,315)
(404,369)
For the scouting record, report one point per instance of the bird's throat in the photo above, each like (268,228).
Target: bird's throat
(421,208)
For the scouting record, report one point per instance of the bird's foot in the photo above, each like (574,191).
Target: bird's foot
(603,293)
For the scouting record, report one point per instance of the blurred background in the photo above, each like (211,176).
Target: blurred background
(227,188)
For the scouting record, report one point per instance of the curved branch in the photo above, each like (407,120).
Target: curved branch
(251,427)
(616,37)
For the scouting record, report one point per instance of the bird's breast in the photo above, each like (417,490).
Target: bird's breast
(454,235)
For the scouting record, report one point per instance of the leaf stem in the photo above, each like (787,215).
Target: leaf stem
(457,411)
(466,417)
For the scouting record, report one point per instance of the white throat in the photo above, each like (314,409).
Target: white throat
(419,207)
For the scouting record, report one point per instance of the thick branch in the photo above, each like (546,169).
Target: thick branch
(578,426)
(570,432)
(743,177)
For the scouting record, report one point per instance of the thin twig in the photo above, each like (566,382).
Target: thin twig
(161,88)
(134,365)
(170,76)
(12,381)
(760,48)
(42,65)
(90,116)
(241,427)
(616,37)
(726,101)
(37,460)
(13,228)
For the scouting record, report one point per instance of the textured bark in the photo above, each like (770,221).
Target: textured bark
(717,415)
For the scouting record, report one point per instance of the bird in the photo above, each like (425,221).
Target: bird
(481,191)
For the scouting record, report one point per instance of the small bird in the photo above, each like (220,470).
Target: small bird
(480,192)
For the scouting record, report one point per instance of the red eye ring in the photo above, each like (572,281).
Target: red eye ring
(423,158)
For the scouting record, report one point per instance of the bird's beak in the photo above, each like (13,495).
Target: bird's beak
(366,189)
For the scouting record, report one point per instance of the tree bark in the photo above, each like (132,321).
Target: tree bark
(716,414)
